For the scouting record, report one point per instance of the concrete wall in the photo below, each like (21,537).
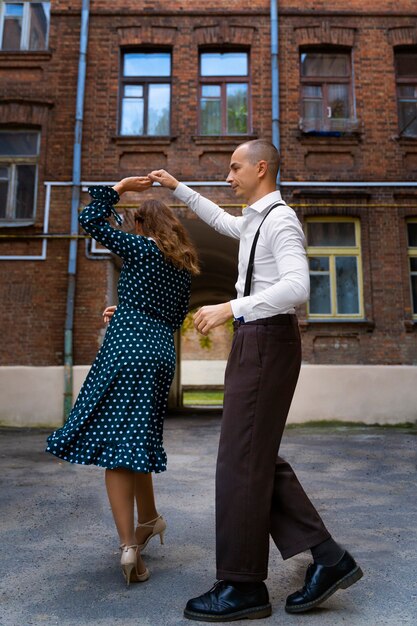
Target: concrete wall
(372,394)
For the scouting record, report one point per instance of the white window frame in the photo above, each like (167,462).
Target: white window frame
(25,37)
(11,161)
(331,252)
(412,253)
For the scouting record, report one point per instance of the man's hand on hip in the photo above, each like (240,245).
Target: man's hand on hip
(209,317)
(163,178)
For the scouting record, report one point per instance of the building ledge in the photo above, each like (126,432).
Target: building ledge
(406,140)
(349,323)
(326,192)
(27,56)
(222,139)
(330,138)
(410,325)
(16,224)
(143,140)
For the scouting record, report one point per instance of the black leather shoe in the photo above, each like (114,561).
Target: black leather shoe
(228,601)
(321,582)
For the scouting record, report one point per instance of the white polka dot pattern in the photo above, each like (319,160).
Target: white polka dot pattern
(117,420)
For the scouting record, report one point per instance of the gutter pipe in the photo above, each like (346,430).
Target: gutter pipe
(75,203)
(276,140)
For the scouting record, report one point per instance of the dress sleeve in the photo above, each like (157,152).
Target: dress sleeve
(93,219)
(183,303)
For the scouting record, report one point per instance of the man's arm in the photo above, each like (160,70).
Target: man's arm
(207,210)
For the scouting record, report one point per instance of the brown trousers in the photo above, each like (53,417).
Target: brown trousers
(257,492)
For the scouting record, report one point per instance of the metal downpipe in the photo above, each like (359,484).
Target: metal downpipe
(276,139)
(75,202)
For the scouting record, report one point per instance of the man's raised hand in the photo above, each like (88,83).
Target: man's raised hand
(163,178)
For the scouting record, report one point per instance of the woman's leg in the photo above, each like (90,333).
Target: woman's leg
(120,484)
(145,497)
(145,503)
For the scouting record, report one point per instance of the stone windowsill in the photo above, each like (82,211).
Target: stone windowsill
(364,323)
(222,139)
(405,140)
(143,140)
(15,224)
(345,139)
(410,325)
(27,56)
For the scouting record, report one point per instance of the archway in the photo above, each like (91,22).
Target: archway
(216,283)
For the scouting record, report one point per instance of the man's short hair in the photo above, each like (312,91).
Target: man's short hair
(263,150)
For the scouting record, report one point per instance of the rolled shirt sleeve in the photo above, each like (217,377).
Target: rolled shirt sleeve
(281,276)
(209,212)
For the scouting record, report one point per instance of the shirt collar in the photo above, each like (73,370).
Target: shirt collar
(266,201)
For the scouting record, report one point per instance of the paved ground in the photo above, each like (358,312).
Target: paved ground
(60,560)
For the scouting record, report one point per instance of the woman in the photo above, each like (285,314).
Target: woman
(117,420)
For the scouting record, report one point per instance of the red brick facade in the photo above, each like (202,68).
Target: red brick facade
(38,90)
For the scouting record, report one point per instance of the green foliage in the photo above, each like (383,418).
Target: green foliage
(205,341)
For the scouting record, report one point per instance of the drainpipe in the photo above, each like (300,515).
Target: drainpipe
(275,80)
(75,203)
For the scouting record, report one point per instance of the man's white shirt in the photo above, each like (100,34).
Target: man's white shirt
(280,279)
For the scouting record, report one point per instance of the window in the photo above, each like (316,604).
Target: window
(412,256)
(24,25)
(406,71)
(326,92)
(18,173)
(224,93)
(146,93)
(334,258)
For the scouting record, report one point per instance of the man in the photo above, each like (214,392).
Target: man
(257,492)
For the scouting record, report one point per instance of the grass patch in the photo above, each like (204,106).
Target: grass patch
(203,398)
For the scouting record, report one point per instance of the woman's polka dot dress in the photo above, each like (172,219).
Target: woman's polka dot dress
(117,420)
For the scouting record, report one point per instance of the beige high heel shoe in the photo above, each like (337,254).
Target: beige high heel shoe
(129,562)
(158,526)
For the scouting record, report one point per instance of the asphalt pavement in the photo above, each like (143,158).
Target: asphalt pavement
(59,561)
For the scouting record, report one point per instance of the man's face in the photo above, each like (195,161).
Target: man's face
(243,176)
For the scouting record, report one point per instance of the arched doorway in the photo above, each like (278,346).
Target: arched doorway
(216,283)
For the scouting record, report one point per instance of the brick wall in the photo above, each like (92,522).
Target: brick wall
(38,90)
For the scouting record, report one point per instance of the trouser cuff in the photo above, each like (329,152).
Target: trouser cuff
(242,577)
(306,544)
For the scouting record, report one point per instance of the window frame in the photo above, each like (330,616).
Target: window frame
(332,252)
(223,81)
(144,81)
(324,81)
(25,35)
(11,162)
(411,254)
(406,80)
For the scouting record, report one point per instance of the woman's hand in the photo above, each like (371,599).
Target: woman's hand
(108,313)
(163,178)
(133,183)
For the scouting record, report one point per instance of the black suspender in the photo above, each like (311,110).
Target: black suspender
(249,272)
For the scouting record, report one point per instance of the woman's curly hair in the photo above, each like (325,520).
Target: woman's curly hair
(159,222)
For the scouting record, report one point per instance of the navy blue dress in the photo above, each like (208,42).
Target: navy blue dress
(117,420)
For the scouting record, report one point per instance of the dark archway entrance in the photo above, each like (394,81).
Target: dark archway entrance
(216,283)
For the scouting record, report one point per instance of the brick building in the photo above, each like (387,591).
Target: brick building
(178,86)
